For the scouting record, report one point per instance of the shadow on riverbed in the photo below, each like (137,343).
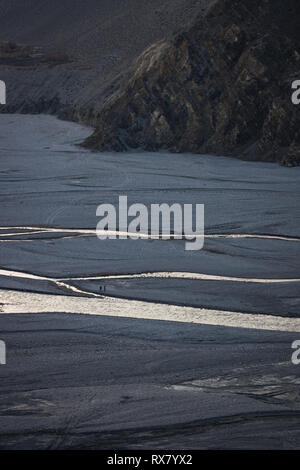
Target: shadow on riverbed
(103,382)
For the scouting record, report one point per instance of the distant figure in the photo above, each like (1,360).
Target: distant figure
(102,288)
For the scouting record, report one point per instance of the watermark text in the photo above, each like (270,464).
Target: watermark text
(2,353)
(162,221)
(296,354)
(296,93)
(2,92)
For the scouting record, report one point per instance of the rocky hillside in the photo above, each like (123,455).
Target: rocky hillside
(222,85)
(67,54)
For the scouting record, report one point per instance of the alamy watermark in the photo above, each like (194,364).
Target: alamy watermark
(161,222)
(296,94)
(296,354)
(2,92)
(2,353)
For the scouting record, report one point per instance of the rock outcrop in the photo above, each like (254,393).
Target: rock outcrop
(65,56)
(221,86)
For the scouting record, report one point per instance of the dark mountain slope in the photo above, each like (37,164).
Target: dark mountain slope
(222,85)
(97,38)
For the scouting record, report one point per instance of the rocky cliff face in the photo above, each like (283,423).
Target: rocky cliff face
(99,39)
(221,86)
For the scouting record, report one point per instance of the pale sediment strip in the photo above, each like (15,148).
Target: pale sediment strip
(57,282)
(138,309)
(33,230)
(151,275)
(183,275)
(26,302)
